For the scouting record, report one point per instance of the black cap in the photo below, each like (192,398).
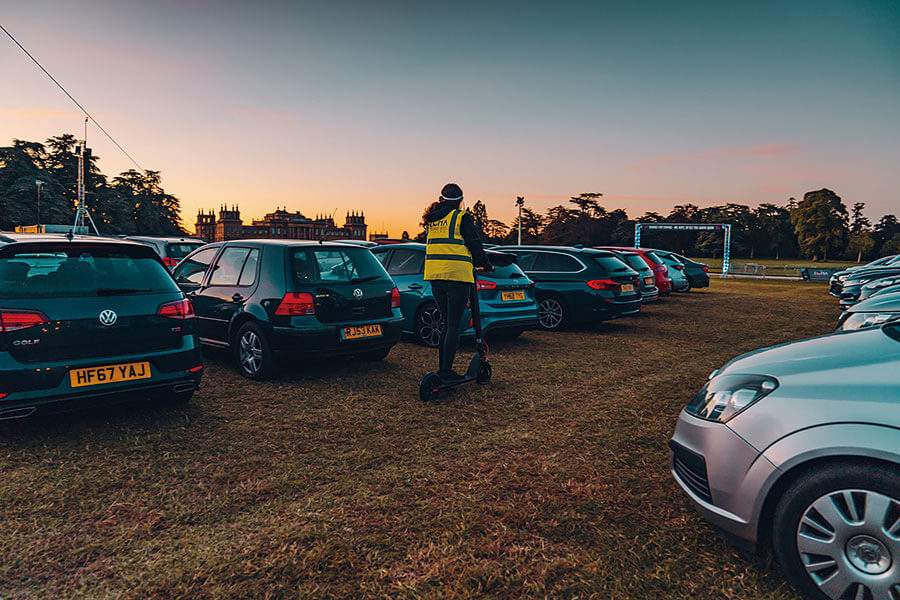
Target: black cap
(451,192)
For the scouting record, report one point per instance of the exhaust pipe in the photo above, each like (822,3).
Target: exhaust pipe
(184,387)
(17,413)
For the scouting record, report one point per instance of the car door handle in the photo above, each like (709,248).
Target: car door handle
(237,298)
(415,286)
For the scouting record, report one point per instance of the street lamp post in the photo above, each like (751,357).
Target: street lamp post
(520,202)
(39,184)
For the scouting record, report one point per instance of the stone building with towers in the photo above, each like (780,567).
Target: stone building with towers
(280,224)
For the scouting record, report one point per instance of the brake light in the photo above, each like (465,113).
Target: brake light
(705,269)
(604,284)
(294,304)
(482,284)
(169,262)
(395,298)
(2,396)
(678,267)
(180,309)
(195,369)
(13,320)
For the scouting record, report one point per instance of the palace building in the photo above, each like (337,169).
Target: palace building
(280,224)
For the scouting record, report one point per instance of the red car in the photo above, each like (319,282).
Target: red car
(660,270)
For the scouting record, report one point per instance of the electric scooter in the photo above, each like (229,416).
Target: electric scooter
(479,369)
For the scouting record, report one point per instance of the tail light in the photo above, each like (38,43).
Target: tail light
(195,369)
(482,284)
(678,267)
(169,262)
(604,284)
(705,269)
(294,304)
(180,309)
(395,298)
(13,320)
(2,396)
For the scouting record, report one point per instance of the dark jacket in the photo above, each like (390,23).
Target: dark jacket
(467,229)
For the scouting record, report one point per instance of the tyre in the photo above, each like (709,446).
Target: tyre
(553,314)
(374,355)
(836,532)
(428,325)
(429,387)
(253,352)
(484,374)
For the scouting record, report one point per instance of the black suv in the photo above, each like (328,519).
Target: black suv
(578,284)
(87,321)
(272,299)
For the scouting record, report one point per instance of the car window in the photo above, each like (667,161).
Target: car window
(194,268)
(350,265)
(525,260)
(382,256)
(635,262)
(553,262)
(76,272)
(181,249)
(228,268)
(406,262)
(653,258)
(248,274)
(610,264)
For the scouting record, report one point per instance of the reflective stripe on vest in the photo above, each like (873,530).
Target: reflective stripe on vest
(446,255)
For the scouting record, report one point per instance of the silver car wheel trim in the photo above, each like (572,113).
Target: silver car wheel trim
(251,352)
(550,313)
(431,324)
(849,543)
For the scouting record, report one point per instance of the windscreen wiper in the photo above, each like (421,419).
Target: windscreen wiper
(362,279)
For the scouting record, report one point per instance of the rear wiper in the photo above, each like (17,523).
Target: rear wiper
(361,279)
(119,291)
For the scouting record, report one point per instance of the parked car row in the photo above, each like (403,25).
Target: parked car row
(868,294)
(86,319)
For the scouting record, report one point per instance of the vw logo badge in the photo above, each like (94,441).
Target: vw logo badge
(108,318)
(357,293)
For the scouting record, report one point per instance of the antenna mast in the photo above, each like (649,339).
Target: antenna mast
(82,215)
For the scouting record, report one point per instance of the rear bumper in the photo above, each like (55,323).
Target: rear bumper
(325,340)
(47,387)
(508,324)
(617,308)
(698,281)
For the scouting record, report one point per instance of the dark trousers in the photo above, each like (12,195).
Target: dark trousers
(451,297)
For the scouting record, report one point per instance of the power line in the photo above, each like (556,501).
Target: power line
(66,92)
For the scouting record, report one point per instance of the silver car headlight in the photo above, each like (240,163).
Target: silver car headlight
(862,320)
(841,278)
(882,283)
(724,396)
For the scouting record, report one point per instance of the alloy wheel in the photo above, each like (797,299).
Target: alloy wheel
(550,313)
(251,353)
(849,544)
(430,325)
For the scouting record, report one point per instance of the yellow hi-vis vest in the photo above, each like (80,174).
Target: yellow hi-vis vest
(446,255)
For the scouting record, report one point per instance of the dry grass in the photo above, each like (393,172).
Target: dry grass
(336,481)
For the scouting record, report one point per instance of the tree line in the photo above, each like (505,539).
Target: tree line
(132,202)
(818,227)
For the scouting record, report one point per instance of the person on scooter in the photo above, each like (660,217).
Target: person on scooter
(453,250)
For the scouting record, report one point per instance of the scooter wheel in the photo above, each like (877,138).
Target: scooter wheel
(484,373)
(429,386)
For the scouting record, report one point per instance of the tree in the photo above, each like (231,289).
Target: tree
(404,235)
(860,242)
(892,246)
(589,204)
(885,229)
(858,221)
(820,222)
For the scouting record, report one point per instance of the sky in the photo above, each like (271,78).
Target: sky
(329,107)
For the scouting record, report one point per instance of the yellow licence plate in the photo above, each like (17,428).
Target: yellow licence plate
(627,287)
(510,296)
(109,374)
(648,280)
(361,331)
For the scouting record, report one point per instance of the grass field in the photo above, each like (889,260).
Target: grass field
(336,481)
(715,264)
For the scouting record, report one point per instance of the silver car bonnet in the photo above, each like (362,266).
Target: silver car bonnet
(881,303)
(846,377)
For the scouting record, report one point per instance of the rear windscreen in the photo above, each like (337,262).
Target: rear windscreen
(337,265)
(180,250)
(653,258)
(635,262)
(71,272)
(610,264)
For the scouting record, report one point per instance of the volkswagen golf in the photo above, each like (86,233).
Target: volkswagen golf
(88,321)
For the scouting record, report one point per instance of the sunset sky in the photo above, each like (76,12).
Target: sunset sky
(373,106)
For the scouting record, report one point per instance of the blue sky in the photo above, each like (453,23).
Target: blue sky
(374,106)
